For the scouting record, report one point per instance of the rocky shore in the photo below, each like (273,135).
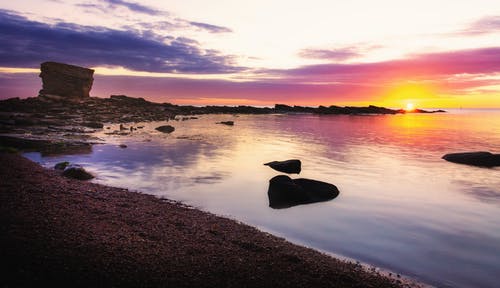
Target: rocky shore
(59,231)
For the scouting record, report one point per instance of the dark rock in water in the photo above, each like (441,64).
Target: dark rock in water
(482,159)
(76,171)
(122,146)
(284,192)
(165,129)
(61,165)
(96,125)
(228,123)
(65,80)
(287,166)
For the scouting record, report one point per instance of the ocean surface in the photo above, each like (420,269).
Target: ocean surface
(401,207)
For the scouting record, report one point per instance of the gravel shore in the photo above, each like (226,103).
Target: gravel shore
(57,231)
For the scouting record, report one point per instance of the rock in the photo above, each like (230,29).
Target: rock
(284,192)
(61,165)
(228,123)
(66,81)
(482,159)
(122,146)
(165,129)
(287,166)
(76,171)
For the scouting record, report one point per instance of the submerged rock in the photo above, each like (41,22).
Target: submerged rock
(76,171)
(284,192)
(287,166)
(66,81)
(482,159)
(165,129)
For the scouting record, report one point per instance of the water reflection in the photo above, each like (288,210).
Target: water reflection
(402,207)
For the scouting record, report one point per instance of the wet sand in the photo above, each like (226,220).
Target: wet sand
(58,231)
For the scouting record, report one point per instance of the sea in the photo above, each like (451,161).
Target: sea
(401,207)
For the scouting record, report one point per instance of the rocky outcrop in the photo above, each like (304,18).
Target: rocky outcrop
(76,171)
(284,192)
(65,81)
(165,129)
(287,166)
(482,159)
(228,123)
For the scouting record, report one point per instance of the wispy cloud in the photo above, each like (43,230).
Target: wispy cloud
(333,54)
(337,54)
(420,66)
(211,28)
(485,25)
(133,6)
(26,43)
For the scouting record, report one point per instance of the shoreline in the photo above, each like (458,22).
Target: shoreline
(63,231)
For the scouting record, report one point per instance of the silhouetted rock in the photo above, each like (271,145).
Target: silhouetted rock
(61,165)
(76,171)
(483,159)
(65,80)
(287,166)
(228,123)
(165,129)
(284,192)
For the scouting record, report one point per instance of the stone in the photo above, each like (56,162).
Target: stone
(66,81)
(481,159)
(284,192)
(76,171)
(287,166)
(165,129)
(228,123)
(61,165)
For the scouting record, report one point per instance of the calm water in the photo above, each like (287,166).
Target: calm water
(400,206)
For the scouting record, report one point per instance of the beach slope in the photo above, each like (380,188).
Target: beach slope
(57,231)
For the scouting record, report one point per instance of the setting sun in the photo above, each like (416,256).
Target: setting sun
(410,107)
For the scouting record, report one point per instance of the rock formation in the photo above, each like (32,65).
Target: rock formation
(284,192)
(66,81)
(165,129)
(76,171)
(481,159)
(287,166)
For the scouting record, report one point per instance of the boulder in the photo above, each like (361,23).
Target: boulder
(65,81)
(287,166)
(165,129)
(228,123)
(482,159)
(61,165)
(76,171)
(284,192)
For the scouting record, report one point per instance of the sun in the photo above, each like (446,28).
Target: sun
(410,107)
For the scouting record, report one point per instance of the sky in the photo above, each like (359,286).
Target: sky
(433,54)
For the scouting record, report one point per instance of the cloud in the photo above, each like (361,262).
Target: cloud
(27,43)
(211,28)
(333,54)
(338,54)
(485,25)
(133,6)
(416,67)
